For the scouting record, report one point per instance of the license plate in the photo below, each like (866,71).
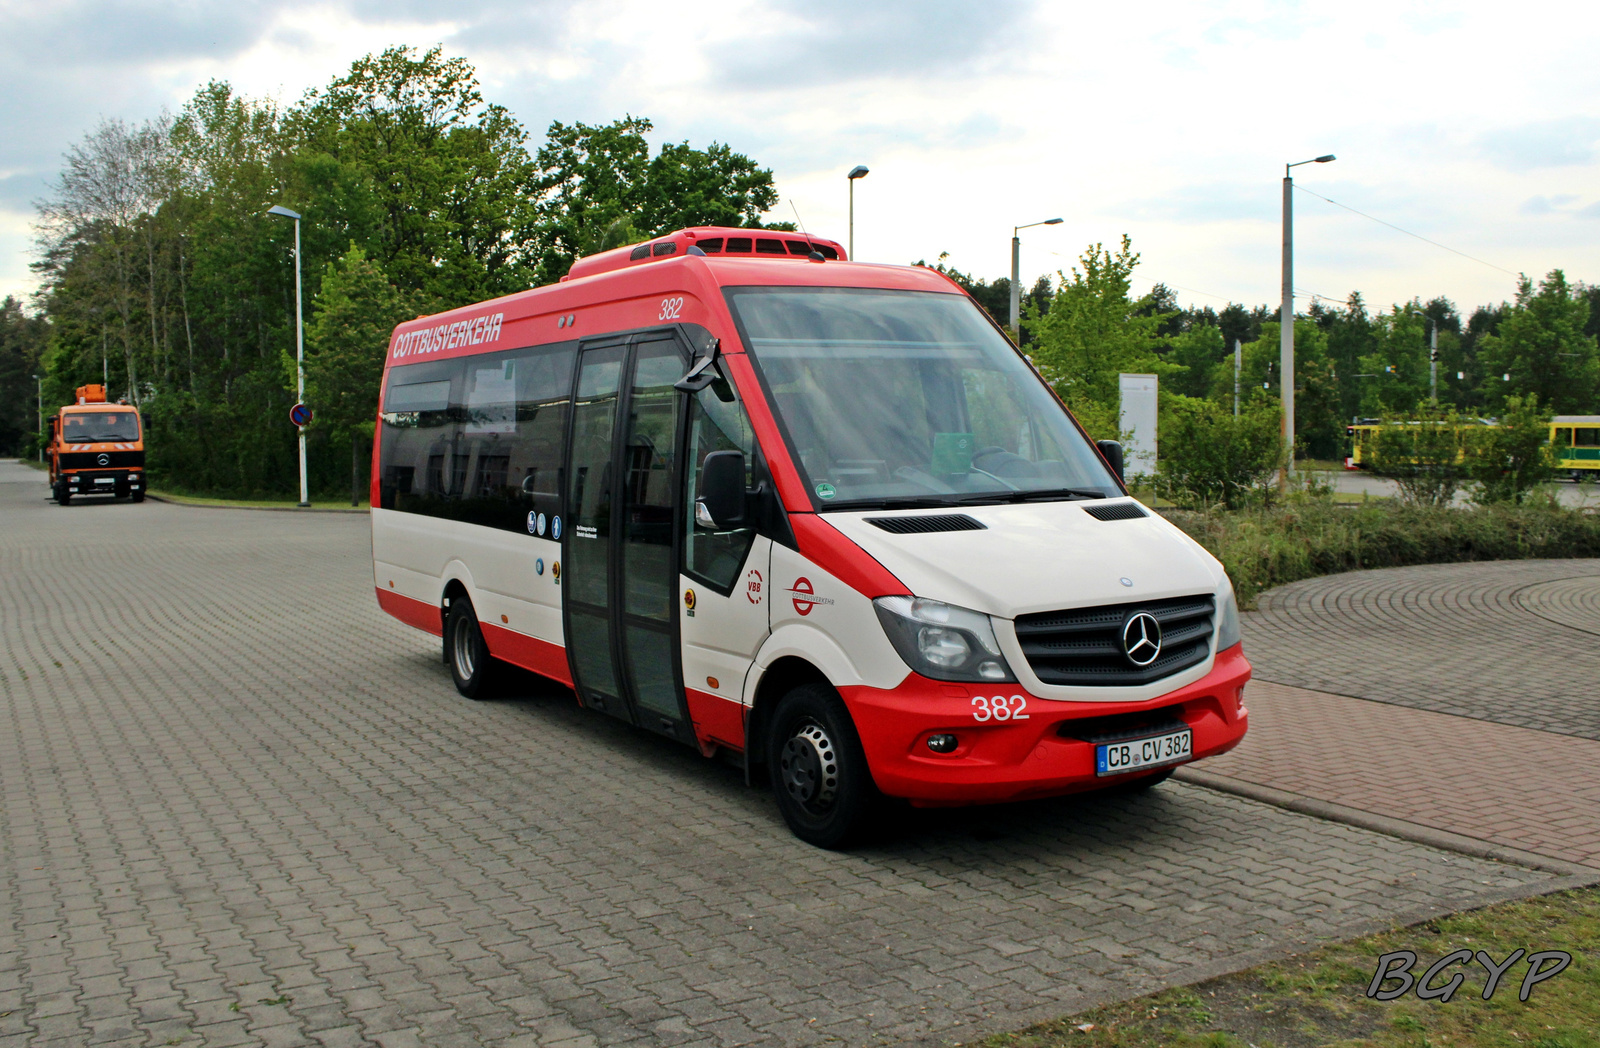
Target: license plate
(105,480)
(1115,758)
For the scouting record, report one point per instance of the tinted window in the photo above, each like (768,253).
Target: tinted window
(717,422)
(799,247)
(1586,438)
(479,438)
(665,248)
(82,427)
(711,245)
(739,243)
(910,396)
(642,251)
(770,247)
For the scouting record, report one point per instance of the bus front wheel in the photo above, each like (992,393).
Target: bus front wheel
(471,666)
(818,770)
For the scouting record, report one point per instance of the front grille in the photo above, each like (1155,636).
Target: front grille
(91,459)
(1084,646)
(920,525)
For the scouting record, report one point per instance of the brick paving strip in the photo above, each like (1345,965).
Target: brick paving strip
(1532,793)
(1467,714)
(238,805)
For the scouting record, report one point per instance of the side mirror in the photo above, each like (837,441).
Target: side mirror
(1113,453)
(721,503)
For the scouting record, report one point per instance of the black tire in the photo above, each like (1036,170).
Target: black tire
(63,496)
(472,668)
(138,496)
(818,770)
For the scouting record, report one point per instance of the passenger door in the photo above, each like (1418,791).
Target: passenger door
(620,542)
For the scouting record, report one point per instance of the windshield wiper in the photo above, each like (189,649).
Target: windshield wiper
(1045,495)
(891,502)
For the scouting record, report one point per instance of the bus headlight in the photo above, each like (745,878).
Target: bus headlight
(941,641)
(1227,619)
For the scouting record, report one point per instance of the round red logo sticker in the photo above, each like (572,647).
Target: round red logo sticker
(752,586)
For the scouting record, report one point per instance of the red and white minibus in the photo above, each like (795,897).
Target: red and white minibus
(740,491)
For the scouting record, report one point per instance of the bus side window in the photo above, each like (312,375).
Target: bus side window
(713,556)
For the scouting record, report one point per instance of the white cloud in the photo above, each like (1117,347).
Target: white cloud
(1170,121)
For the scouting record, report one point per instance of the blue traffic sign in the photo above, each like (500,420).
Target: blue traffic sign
(300,415)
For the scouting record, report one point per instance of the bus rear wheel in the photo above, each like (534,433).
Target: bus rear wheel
(818,770)
(471,666)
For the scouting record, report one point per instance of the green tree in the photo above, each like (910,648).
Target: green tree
(1509,460)
(1093,332)
(22,342)
(591,177)
(1541,343)
(355,311)
(1209,456)
(403,155)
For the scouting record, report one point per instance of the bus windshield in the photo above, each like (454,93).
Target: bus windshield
(910,398)
(83,427)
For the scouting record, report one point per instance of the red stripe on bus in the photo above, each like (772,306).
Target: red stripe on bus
(716,719)
(412,612)
(828,548)
(530,653)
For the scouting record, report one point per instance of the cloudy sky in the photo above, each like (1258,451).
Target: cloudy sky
(1473,125)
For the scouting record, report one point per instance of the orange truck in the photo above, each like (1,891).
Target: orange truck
(96,448)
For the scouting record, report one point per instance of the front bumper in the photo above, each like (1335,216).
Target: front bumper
(1032,755)
(104,481)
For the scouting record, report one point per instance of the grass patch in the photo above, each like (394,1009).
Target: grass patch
(1304,538)
(1320,999)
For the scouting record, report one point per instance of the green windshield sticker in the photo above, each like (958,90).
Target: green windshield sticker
(952,453)
(825,491)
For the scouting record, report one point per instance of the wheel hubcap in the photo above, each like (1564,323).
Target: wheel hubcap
(465,650)
(810,767)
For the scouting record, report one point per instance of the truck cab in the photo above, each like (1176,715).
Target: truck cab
(96,448)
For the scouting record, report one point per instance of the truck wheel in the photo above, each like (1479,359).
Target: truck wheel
(63,495)
(471,666)
(138,496)
(818,770)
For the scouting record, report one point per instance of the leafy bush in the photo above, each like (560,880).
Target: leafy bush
(1211,457)
(1509,460)
(1270,546)
(1425,452)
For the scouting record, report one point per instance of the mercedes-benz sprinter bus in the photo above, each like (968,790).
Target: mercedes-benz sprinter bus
(735,489)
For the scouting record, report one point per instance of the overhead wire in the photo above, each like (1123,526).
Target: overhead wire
(1407,232)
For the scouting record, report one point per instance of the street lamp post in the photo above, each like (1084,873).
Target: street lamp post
(299,344)
(1016,275)
(859,171)
(39,382)
(1286,337)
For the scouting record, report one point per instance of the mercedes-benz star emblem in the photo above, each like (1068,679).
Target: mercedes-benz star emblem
(104,459)
(1141,638)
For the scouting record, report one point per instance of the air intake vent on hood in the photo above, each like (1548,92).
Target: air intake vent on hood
(919,525)
(1116,511)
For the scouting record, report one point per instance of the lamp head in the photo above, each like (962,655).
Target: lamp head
(859,171)
(1053,221)
(1325,159)
(281,211)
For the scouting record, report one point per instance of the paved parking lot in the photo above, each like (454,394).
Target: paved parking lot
(238,805)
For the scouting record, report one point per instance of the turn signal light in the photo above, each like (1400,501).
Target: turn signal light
(942,743)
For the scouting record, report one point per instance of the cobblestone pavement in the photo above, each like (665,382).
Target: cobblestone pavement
(1516,642)
(238,805)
